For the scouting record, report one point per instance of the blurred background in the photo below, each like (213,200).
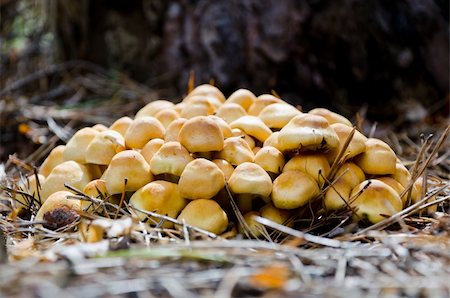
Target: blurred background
(65,64)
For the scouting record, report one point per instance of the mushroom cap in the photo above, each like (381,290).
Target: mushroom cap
(104,146)
(208,90)
(70,172)
(401,174)
(167,116)
(331,117)
(150,149)
(53,159)
(337,196)
(171,158)
(279,216)
(236,151)
(378,159)
(351,173)
(314,164)
(99,127)
(226,168)
(206,215)
(201,134)
(162,197)
(201,179)
(395,185)
(30,186)
(255,229)
(293,189)
(142,130)
(129,165)
(173,130)
(77,145)
(239,133)
(121,125)
(224,127)
(58,200)
(230,112)
(357,144)
(253,126)
(307,132)
(270,159)
(96,189)
(375,200)
(153,107)
(272,140)
(261,102)
(277,115)
(250,178)
(242,97)
(197,106)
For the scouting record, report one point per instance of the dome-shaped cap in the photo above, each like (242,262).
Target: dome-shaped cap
(250,178)
(201,134)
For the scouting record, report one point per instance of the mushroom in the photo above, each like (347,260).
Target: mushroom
(150,149)
(230,112)
(356,146)
(95,189)
(378,159)
(206,215)
(270,159)
(208,90)
(167,116)
(152,108)
(239,133)
(173,130)
(129,166)
(277,115)
(242,97)
(121,125)
(170,161)
(236,151)
(104,146)
(99,127)
(142,130)
(395,185)
(249,182)
(261,102)
(197,106)
(331,117)
(272,140)
(375,200)
(224,127)
(201,135)
(314,164)
(226,168)
(58,211)
(162,197)
(293,189)
(70,172)
(201,179)
(307,132)
(53,159)
(253,126)
(279,216)
(76,147)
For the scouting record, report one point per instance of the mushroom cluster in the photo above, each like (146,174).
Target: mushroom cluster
(202,158)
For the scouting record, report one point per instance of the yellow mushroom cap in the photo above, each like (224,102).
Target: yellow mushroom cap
(242,97)
(96,189)
(351,173)
(395,185)
(150,149)
(293,189)
(121,125)
(272,140)
(206,215)
(236,151)
(208,90)
(375,201)
(197,106)
(250,178)
(307,132)
(401,174)
(331,117)
(201,179)
(230,112)
(261,102)
(226,168)
(70,172)
(253,126)
(159,196)
(313,164)
(277,115)
(254,228)
(77,145)
(142,130)
(201,134)
(378,159)
(279,216)
(152,108)
(167,116)
(357,144)
(30,186)
(224,127)
(129,165)
(239,133)
(53,159)
(270,159)
(99,127)
(104,146)
(58,210)
(173,130)
(171,158)
(337,196)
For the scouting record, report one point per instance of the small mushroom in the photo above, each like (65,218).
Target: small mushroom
(253,126)
(121,125)
(173,130)
(76,147)
(261,102)
(356,146)
(152,108)
(150,149)
(142,130)
(206,215)
(378,159)
(167,116)
(226,168)
(104,146)
(314,164)
(277,115)
(58,211)
(331,117)
(53,159)
(270,159)
(224,127)
(236,151)
(197,106)
(230,112)
(248,139)
(170,161)
(96,189)
(242,97)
